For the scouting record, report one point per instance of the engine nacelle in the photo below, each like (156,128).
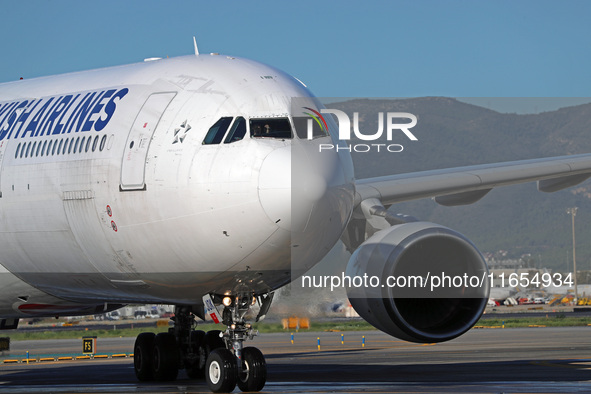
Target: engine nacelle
(417,306)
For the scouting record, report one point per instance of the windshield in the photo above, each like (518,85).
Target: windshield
(270,128)
(309,128)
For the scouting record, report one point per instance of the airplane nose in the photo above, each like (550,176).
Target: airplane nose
(275,187)
(308,194)
(289,189)
(300,188)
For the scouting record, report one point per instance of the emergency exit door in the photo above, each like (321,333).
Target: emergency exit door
(133,167)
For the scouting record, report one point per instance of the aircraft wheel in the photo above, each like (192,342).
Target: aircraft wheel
(254,370)
(196,368)
(143,356)
(166,357)
(221,371)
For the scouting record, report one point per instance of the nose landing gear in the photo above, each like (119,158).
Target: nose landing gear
(250,369)
(218,356)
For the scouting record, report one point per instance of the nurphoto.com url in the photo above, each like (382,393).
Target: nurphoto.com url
(433,282)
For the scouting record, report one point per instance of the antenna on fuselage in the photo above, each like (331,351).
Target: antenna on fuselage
(195,46)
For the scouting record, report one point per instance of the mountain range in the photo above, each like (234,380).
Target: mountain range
(509,222)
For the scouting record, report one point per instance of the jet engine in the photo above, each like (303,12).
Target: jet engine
(419,282)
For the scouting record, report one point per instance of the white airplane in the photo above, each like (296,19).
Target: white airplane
(182,181)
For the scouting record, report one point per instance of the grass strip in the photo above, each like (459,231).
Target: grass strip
(551,321)
(336,326)
(56,333)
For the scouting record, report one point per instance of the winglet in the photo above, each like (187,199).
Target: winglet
(195,45)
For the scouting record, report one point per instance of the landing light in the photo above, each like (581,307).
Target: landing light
(227,301)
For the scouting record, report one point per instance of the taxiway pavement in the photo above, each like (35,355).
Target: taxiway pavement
(483,360)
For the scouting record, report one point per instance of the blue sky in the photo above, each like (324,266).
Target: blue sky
(338,48)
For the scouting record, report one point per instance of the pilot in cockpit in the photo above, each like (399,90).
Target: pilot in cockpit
(256,130)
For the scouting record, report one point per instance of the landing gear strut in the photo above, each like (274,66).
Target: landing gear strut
(250,369)
(218,356)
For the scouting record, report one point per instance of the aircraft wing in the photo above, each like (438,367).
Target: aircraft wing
(466,185)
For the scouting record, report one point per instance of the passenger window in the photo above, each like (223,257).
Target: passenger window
(49,147)
(270,128)
(59,148)
(88,144)
(76,144)
(94,144)
(43,149)
(103,142)
(216,133)
(18,148)
(237,131)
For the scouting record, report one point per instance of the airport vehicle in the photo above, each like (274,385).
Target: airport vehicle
(151,184)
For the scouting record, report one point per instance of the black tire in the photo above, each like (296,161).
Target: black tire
(143,356)
(221,371)
(254,370)
(195,368)
(166,357)
(212,341)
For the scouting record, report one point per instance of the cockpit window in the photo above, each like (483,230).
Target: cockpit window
(237,131)
(304,125)
(216,133)
(270,128)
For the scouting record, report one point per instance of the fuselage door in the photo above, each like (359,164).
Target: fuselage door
(133,166)
(3,145)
